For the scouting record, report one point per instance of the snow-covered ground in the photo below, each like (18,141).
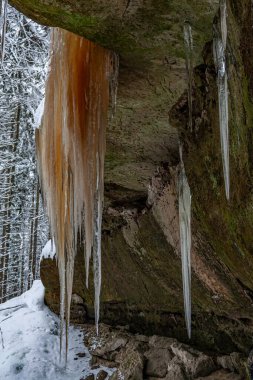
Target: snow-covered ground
(29,342)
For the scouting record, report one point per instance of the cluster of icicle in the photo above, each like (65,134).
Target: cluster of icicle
(70,150)
(3,18)
(185,239)
(219,51)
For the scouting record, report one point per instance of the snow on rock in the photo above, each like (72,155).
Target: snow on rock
(38,115)
(49,251)
(29,342)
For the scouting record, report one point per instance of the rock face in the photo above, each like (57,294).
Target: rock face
(139,357)
(142,284)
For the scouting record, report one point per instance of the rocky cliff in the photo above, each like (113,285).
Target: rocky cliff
(142,284)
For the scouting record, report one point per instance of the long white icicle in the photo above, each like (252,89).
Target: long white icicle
(185,239)
(219,48)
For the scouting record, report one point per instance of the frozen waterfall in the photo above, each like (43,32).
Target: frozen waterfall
(70,150)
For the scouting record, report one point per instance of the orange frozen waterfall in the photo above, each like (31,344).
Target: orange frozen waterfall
(70,150)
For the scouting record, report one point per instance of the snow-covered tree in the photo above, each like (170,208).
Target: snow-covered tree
(23,229)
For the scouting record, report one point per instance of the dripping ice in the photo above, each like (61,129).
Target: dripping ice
(97,248)
(185,239)
(184,190)
(219,50)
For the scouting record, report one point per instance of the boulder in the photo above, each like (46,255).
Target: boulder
(102,375)
(195,363)
(175,370)
(157,360)
(107,351)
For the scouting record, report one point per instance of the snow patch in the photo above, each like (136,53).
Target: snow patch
(49,251)
(29,342)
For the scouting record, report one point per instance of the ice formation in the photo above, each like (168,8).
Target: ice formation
(219,49)
(70,149)
(189,67)
(185,239)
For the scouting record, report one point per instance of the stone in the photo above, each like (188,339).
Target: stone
(157,362)
(131,363)
(94,366)
(76,299)
(175,370)
(102,375)
(141,338)
(96,361)
(196,363)
(161,341)
(109,350)
(232,362)
(81,354)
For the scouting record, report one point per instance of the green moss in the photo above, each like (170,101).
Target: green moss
(155,29)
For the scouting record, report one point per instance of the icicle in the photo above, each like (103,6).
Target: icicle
(70,149)
(3,19)
(98,233)
(184,192)
(185,239)
(219,46)
(223,22)
(61,268)
(189,67)
(97,261)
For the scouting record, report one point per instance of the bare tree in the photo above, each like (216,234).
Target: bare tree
(23,228)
